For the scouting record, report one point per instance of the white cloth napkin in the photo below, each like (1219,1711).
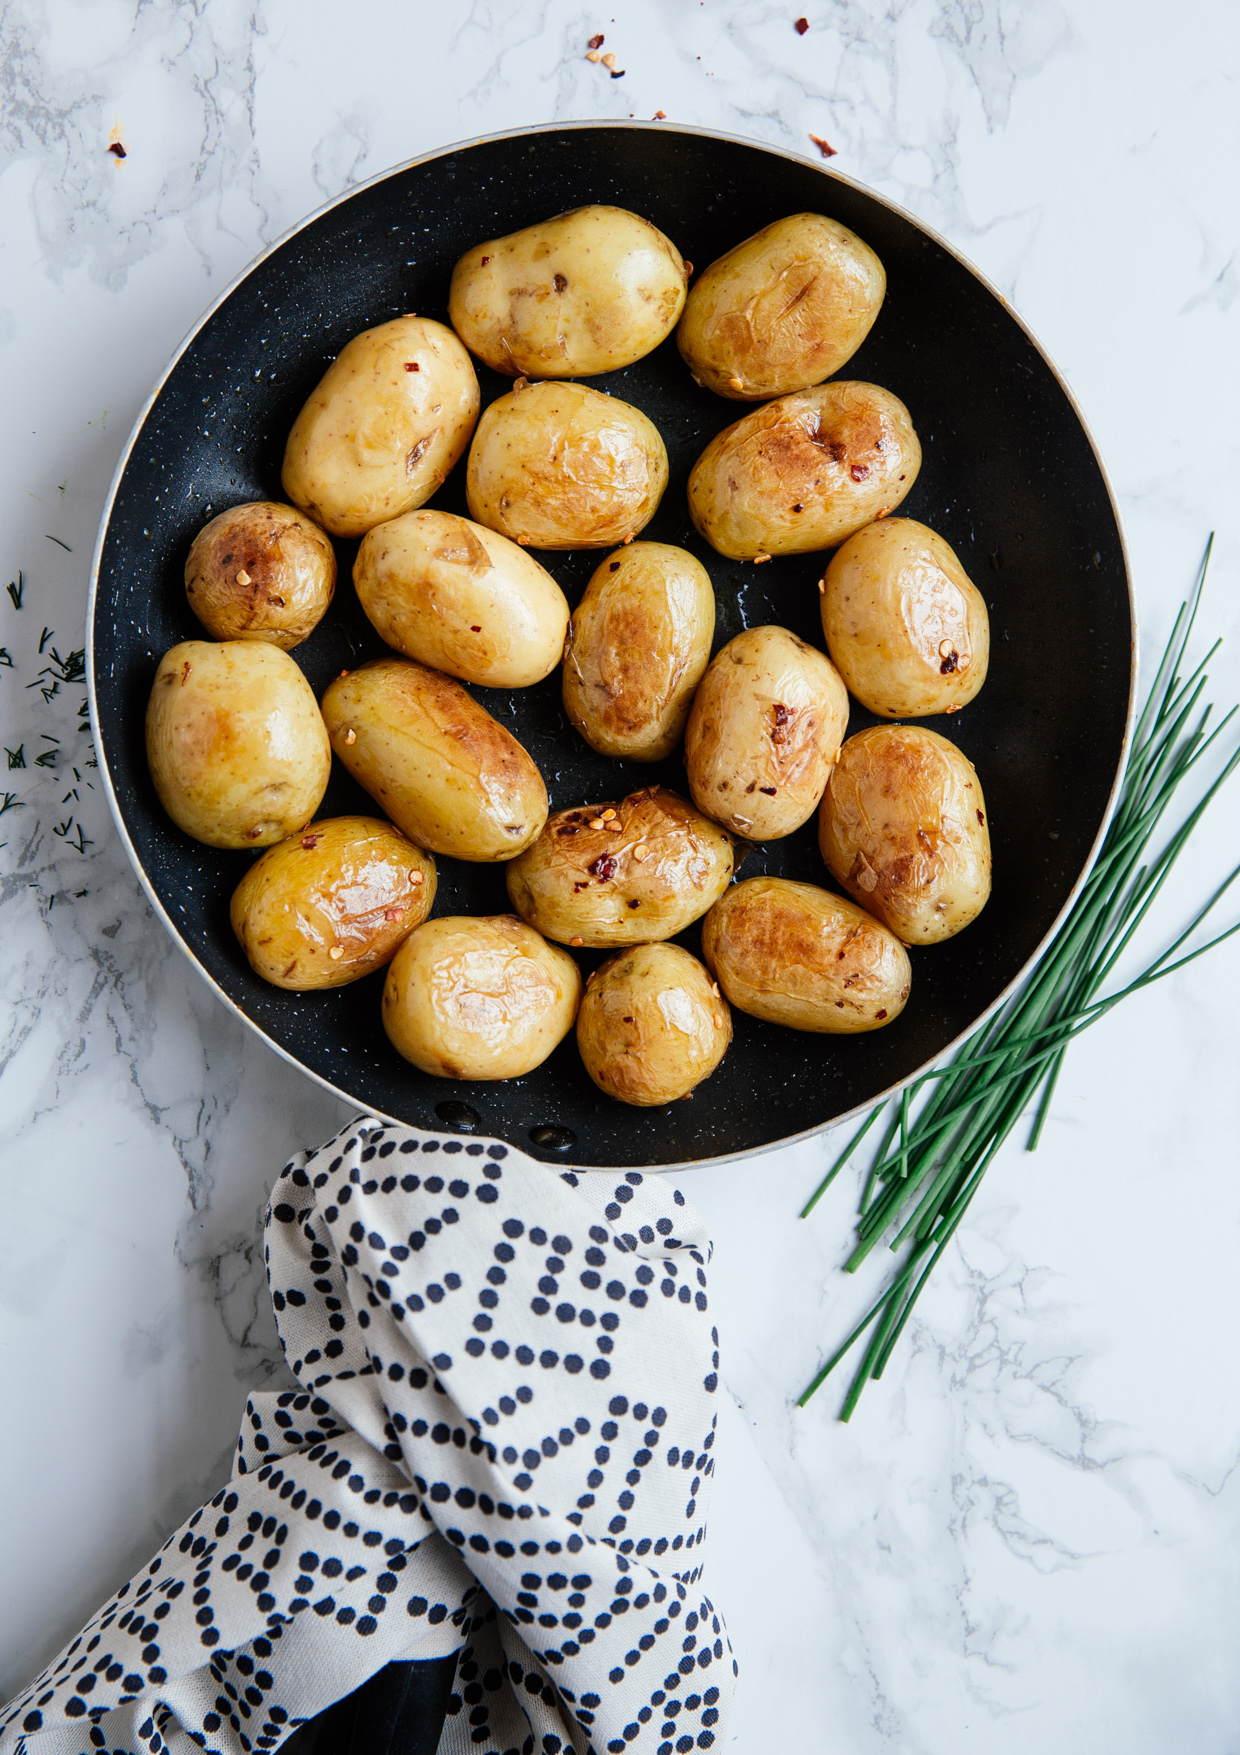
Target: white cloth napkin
(502,1445)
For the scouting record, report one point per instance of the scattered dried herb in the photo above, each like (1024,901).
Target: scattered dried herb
(930,1164)
(55,673)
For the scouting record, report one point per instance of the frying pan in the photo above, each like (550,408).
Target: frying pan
(1010,478)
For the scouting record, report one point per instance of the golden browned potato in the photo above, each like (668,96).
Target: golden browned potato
(332,902)
(804,472)
(483,998)
(445,772)
(906,627)
(235,742)
(382,428)
(621,874)
(588,291)
(462,599)
(783,310)
(903,829)
(261,572)
(651,1025)
(795,954)
(562,466)
(765,726)
(638,644)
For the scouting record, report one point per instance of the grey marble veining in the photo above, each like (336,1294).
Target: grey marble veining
(1026,1536)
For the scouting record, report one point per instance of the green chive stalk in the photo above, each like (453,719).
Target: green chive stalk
(930,1163)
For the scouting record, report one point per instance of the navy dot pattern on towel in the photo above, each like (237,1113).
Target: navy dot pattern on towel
(502,1445)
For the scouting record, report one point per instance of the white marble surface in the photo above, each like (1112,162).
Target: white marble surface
(1027,1538)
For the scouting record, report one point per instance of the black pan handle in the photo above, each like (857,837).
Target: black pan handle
(399,1711)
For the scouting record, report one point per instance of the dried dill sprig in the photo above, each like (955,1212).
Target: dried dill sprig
(931,1162)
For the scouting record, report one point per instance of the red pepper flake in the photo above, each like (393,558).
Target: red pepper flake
(801,26)
(824,148)
(602,868)
(769,790)
(412,366)
(981,819)
(595,42)
(660,116)
(609,61)
(117,150)
(880,1015)
(475,627)
(309,842)
(859,471)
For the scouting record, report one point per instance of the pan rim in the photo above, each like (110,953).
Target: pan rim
(528,132)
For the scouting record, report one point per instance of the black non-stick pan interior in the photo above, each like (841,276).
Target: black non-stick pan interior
(1009,478)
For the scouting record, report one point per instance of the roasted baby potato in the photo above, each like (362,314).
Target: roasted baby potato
(651,1025)
(382,428)
(487,998)
(903,829)
(763,732)
(561,466)
(462,599)
(795,954)
(638,644)
(906,627)
(805,472)
(621,874)
(261,572)
(446,773)
(588,291)
(332,903)
(235,742)
(783,310)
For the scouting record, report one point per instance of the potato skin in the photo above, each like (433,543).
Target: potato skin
(562,466)
(485,998)
(638,645)
(462,599)
(783,310)
(648,870)
(651,1026)
(795,954)
(261,571)
(382,428)
(903,829)
(449,776)
(843,454)
(765,725)
(235,742)
(589,291)
(906,627)
(332,903)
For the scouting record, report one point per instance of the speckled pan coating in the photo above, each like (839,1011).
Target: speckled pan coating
(1010,479)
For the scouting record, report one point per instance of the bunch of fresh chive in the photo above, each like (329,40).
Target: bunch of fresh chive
(931,1162)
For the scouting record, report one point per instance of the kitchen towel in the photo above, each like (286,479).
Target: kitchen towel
(501,1444)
